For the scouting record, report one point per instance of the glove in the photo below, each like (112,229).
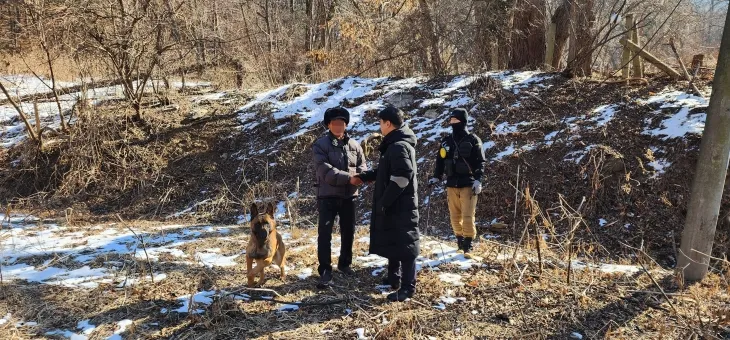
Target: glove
(433,181)
(477,187)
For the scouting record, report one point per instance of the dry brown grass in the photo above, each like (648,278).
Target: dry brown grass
(505,298)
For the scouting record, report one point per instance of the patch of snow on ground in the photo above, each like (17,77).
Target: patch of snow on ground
(310,101)
(23,85)
(203,297)
(577,156)
(443,254)
(84,277)
(506,128)
(519,80)
(603,114)
(211,258)
(511,150)
(305,273)
(507,152)
(682,122)
(448,300)
(188,210)
(549,138)
(453,279)
(26,324)
(316,99)
(431,102)
(606,267)
(372,261)
(66,334)
(660,165)
(12,130)
(121,328)
(86,327)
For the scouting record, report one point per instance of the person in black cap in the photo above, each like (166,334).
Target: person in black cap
(394,230)
(461,158)
(337,159)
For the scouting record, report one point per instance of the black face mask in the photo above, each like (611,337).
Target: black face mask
(461,126)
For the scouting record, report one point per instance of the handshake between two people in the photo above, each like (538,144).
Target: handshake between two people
(356,181)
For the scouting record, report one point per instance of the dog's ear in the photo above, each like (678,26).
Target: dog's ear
(254,210)
(270,209)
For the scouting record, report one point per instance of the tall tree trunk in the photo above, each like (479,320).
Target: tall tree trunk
(528,34)
(437,65)
(309,36)
(325,26)
(493,27)
(267,19)
(584,19)
(561,18)
(709,181)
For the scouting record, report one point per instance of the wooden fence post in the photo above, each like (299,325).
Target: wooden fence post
(638,70)
(626,56)
(650,58)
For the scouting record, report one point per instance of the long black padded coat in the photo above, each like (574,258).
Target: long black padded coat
(394,230)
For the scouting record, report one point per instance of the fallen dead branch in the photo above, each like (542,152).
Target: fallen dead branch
(321,303)
(684,69)
(258,290)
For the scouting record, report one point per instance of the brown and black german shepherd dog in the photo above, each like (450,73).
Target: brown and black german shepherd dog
(265,245)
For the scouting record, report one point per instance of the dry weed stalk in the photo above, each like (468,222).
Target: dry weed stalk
(144,247)
(575,219)
(534,209)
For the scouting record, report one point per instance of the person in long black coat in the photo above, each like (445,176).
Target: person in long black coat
(394,230)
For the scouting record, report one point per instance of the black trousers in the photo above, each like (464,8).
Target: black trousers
(403,271)
(329,208)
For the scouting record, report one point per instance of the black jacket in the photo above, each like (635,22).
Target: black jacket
(394,230)
(462,161)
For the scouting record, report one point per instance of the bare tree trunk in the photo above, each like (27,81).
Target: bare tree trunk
(704,205)
(492,19)
(433,40)
(309,36)
(325,27)
(561,19)
(528,34)
(267,19)
(483,35)
(584,19)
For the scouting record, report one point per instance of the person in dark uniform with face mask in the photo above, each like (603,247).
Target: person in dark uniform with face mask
(461,158)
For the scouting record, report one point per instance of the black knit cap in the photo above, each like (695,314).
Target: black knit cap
(392,114)
(336,113)
(460,114)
